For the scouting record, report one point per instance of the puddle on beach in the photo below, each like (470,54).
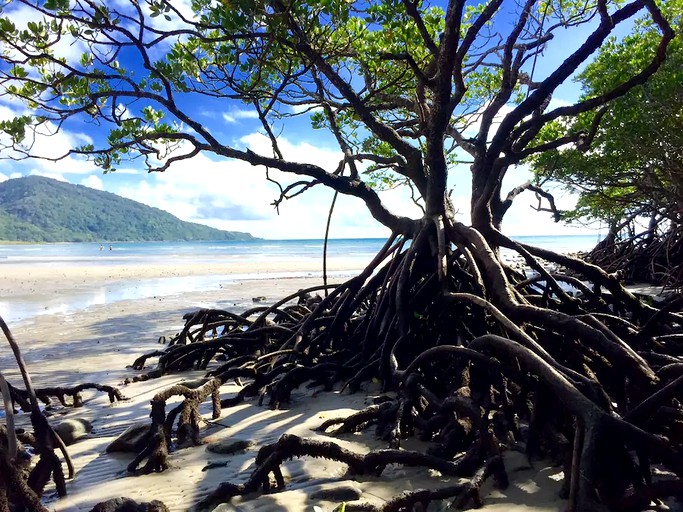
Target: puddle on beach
(72,301)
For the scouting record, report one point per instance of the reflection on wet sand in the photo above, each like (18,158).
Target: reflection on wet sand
(70,301)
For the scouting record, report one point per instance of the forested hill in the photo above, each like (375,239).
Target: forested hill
(38,209)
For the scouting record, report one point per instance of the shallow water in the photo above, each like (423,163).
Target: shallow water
(23,308)
(127,253)
(136,253)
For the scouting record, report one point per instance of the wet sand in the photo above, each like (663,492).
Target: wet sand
(28,290)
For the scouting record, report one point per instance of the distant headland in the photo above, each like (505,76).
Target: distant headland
(39,209)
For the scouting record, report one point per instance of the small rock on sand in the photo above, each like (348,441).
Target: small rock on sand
(128,505)
(133,439)
(336,492)
(228,446)
(72,430)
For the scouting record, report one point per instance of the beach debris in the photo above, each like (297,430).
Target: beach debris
(129,505)
(133,439)
(229,446)
(72,430)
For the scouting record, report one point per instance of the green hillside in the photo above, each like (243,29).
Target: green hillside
(38,209)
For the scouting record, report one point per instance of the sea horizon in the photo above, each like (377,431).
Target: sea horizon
(14,250)
(261,239)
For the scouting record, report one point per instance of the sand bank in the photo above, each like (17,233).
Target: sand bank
(96,343)
(28,290)
(25,278)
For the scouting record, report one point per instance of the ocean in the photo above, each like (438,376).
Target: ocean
(141,253)
(127,253)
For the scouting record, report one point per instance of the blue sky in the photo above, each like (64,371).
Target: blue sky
(234,195)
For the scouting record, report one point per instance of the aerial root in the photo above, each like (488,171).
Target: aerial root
(156,451)
(211,333)
(465,494)
(649,257)
(473,357)
(271,457)
(21,396)
(361,419)
(280,389)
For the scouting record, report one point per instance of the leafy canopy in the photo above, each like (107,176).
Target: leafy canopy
(634,166)
(406,88)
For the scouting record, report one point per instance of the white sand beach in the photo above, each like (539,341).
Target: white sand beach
(96,343)
(30,289)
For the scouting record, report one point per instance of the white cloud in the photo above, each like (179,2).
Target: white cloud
(557,103)
(523,220)
(127,170)
(235,195)
(48,142)
(309,109)
(93,181)
(236,115)
(11,176)
(302,151)
(473,120)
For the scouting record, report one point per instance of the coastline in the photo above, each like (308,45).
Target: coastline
(28,289)
(97,342)
(23,278)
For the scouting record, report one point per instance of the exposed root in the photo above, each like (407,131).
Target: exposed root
(271,457)
(473,357)
(652,256)
(156,451)
(21,485)
(21,396)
